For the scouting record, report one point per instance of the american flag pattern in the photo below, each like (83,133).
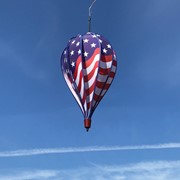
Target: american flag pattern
(89,65)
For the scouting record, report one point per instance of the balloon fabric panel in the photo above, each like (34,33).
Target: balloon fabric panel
(89,65)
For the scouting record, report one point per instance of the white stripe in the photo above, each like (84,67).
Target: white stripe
(109,80)
(89,98)
(33,152)
(98,91)
(105,65)
(82,88)
(92,80)
(72,90)
(102,78)
(78,74)
(85,106)
(113,69)
(91,67)
(103,92)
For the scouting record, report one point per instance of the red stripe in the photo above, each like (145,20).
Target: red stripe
(103,71)
(90,75)
(90,89)
(97,97)
(101,95)
(112,74)
(99,84)
(79,85)
(88,105)
(115,63)
(84,98)
(70,79)
(106,58)
(89,61)
(77,65)
(88,92)
(106,87)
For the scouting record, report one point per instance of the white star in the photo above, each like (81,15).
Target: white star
(105,51)
(86,54)
(93,45)
(86,40)
(64,52)
(98,35)
(77,44)
(94,36)
(100,40)
(109,46)
(73,42)
(72,52)
(72,64)
(79,52)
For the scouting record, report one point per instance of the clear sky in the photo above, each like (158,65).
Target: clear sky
(142,107)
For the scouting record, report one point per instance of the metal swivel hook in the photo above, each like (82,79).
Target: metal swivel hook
(89,20)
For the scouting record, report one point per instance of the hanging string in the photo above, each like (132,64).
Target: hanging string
(89,20)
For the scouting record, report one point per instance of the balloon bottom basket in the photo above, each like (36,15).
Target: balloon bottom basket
(87,124)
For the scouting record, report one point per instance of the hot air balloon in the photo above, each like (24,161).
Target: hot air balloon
(88,64)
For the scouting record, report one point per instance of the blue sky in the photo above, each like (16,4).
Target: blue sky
(142,107)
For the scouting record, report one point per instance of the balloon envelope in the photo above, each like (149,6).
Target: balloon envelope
(88,65)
